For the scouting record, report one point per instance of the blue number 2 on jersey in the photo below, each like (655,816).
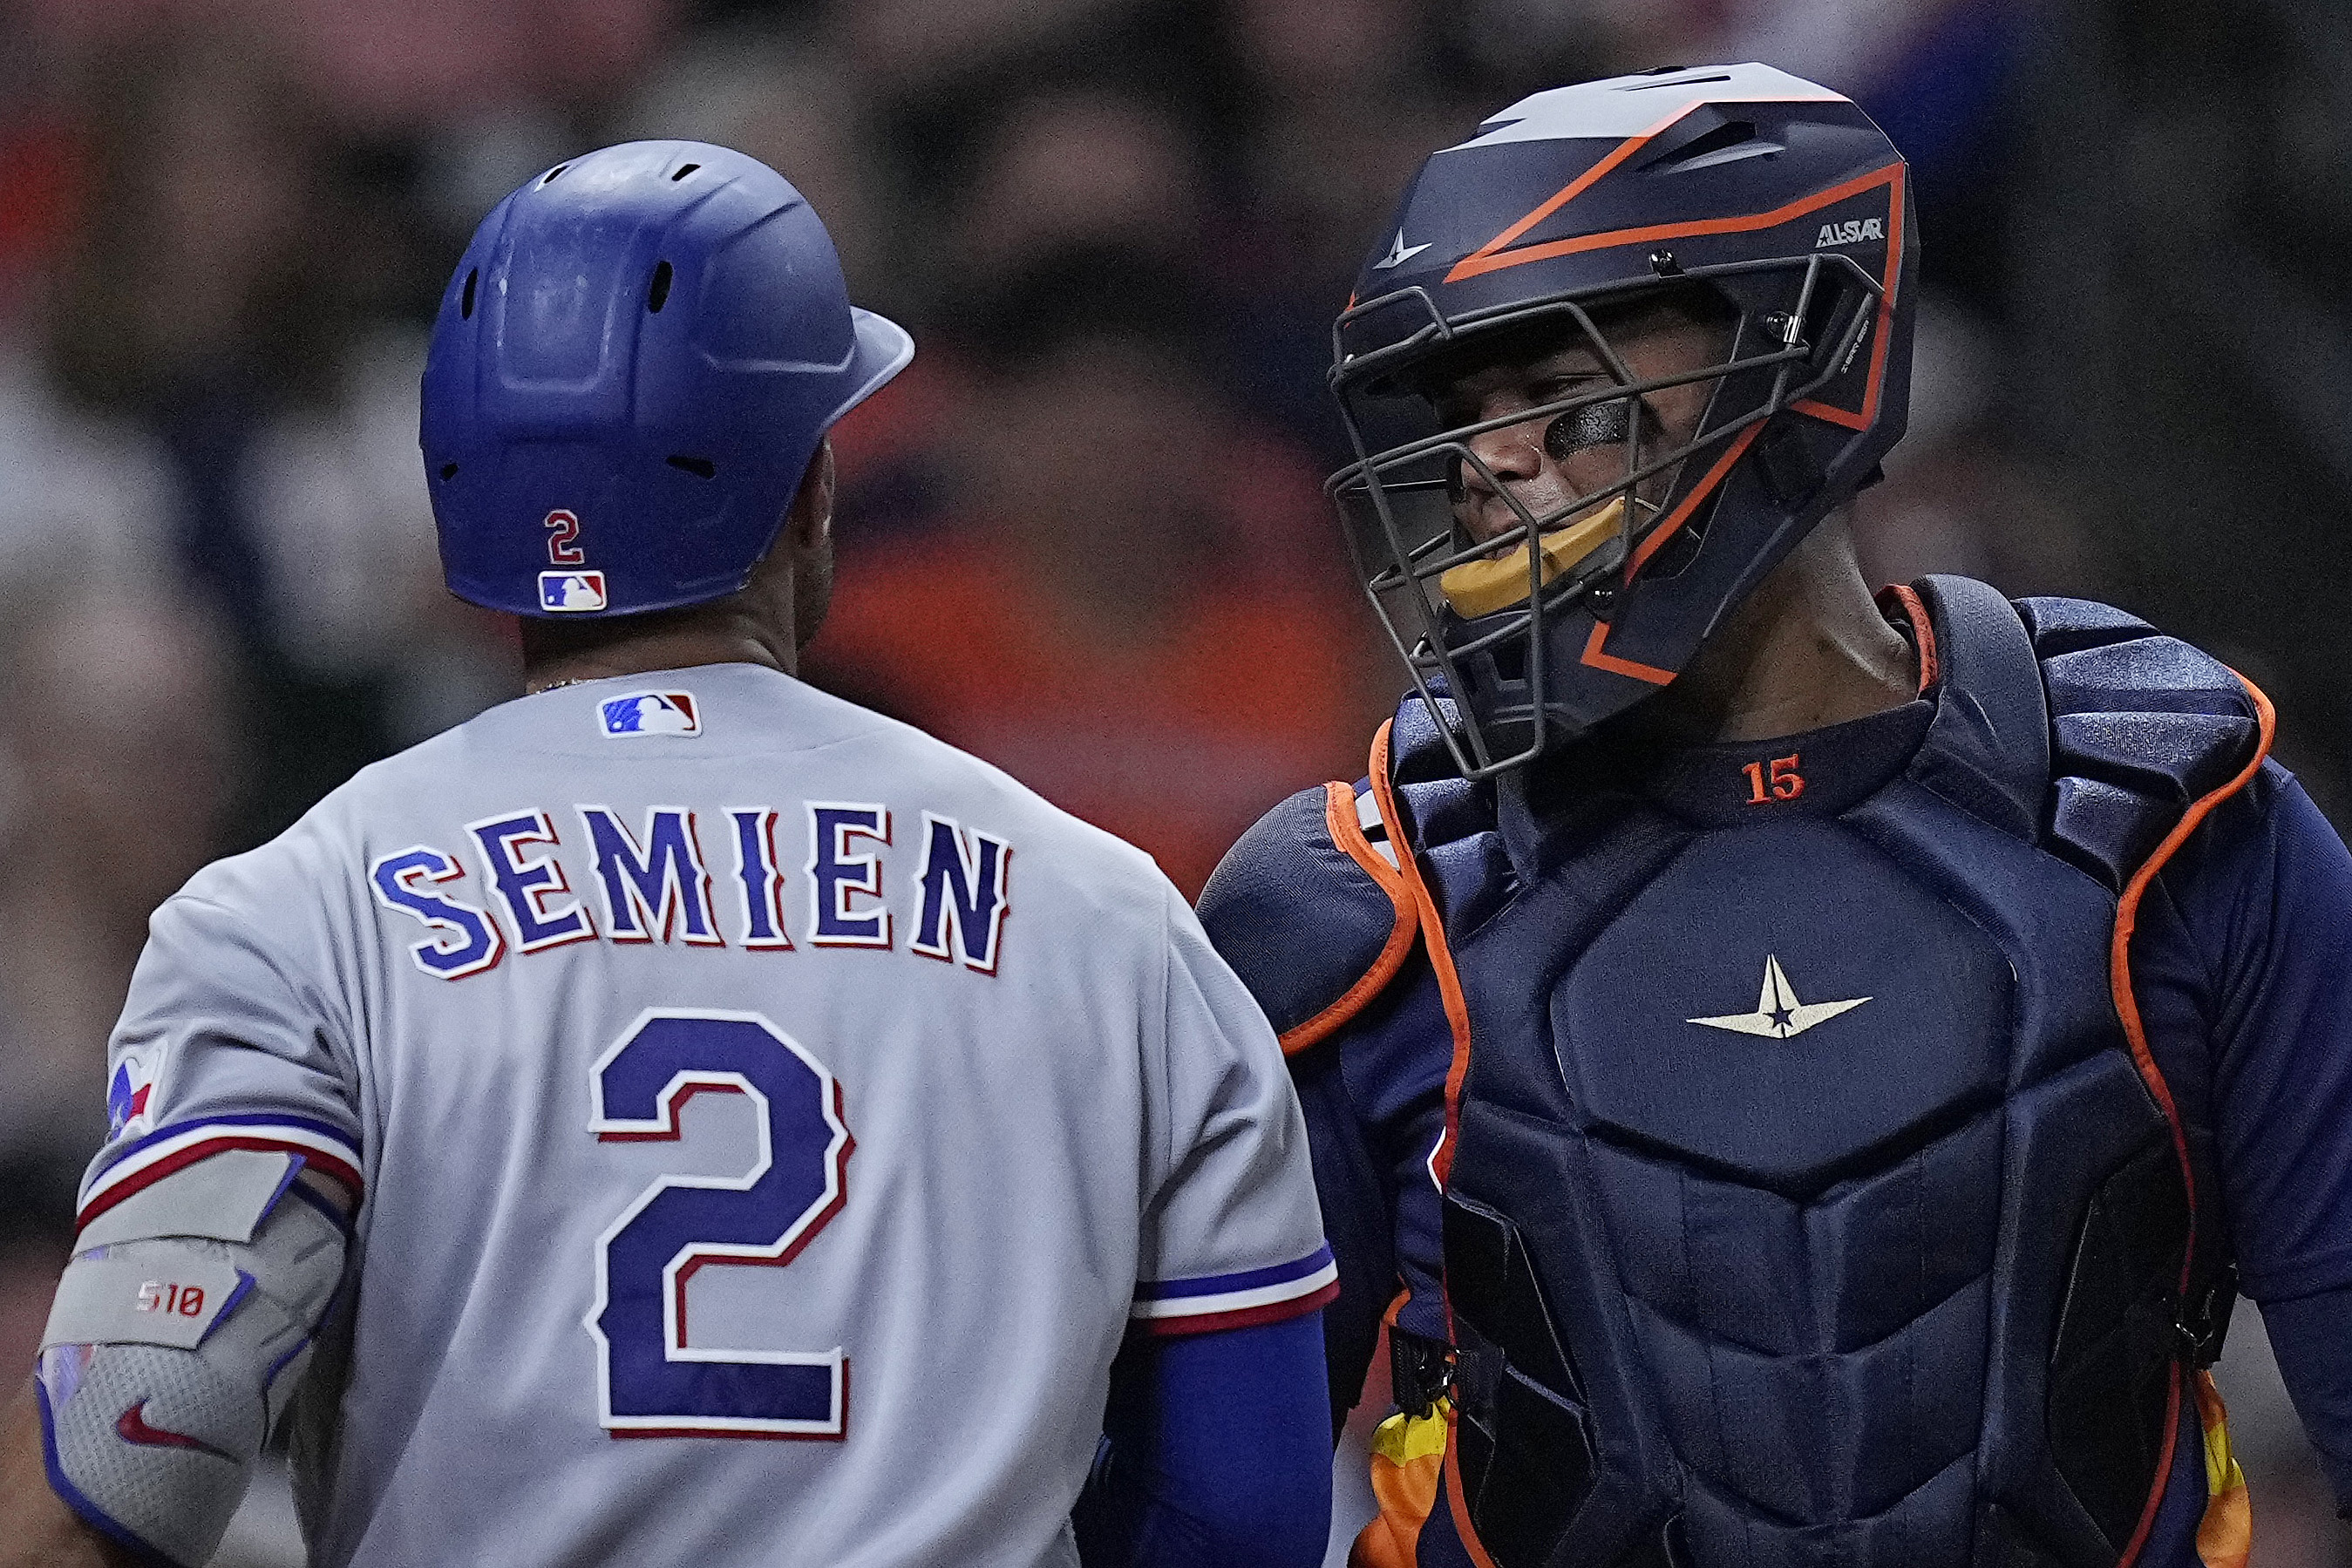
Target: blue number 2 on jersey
(650,1383)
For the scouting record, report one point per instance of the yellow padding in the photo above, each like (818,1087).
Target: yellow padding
(1403,1438)
(1408,1454)
(1478,588)
(2226,1534)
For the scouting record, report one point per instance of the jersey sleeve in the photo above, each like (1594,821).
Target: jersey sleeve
(2267,916)
(2249,954)
(225,1043)
(1375,1099)
(1232,1236)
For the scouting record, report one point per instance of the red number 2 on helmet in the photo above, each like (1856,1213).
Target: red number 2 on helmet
(563,529)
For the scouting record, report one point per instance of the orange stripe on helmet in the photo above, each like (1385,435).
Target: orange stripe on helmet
(1491,257)
(1888,285)
(1595,648)
(1596,659)
(1483,259)
(1699,492)
(1595,656)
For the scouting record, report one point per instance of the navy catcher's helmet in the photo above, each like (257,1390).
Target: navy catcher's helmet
(1774,205)
(632,368)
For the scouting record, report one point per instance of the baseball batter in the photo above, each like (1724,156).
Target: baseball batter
(678,1116)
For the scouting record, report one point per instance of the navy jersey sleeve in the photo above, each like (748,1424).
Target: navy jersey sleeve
(1374,1094)
(2240,969)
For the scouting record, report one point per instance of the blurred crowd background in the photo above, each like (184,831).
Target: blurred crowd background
(1084,535)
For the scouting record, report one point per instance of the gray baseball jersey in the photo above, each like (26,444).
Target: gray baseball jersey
(719,1062)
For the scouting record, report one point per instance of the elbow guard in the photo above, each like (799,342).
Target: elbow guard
(179,1335)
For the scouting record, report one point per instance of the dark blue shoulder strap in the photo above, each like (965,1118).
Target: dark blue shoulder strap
(1988,748)
(1448,819)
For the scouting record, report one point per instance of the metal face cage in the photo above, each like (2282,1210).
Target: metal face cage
(1799,321)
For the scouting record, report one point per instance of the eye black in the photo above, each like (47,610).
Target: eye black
(1594,425)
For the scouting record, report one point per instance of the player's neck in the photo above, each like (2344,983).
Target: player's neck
(1807,649)
(706,635)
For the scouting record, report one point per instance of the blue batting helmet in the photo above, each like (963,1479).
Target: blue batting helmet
(1755,201)
(631,367)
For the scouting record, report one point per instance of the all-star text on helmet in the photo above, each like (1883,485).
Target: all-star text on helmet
(1738,194)
(631,367)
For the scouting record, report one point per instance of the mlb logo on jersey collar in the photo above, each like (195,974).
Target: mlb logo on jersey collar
(573,590)
(650,713)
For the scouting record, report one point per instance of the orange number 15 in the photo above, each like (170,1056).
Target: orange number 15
(1782,783)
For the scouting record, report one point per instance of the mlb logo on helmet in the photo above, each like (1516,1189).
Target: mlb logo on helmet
(562,590)
(650,713)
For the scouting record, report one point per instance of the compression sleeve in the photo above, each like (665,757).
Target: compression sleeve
(1214,1452)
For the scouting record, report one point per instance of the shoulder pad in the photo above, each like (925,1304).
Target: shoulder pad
(1311,911)
(2142,727)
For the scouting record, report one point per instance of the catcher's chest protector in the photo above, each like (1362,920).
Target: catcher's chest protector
(1809,1199)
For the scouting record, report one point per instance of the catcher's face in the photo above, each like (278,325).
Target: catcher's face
(1549,459)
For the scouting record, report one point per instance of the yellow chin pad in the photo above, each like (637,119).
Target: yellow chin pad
(1478,588)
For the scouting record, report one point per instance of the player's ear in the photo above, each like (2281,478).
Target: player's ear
(809,524)
(808,533)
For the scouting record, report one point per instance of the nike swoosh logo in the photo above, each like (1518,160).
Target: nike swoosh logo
(132,1426)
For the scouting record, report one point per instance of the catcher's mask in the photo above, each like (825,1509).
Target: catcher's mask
(1766,214)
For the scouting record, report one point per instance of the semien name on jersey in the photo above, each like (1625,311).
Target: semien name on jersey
(510,886)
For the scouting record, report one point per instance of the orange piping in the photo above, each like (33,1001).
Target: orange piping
(1440,1163)
(1441,959)
(2127,920)
(1923,629)
(2144,1059)
(1455,1502)
(1396,1305)
(2163,1469)
(1340,818)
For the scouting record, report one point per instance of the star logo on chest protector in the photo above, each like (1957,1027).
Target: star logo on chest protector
(1779,1014)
